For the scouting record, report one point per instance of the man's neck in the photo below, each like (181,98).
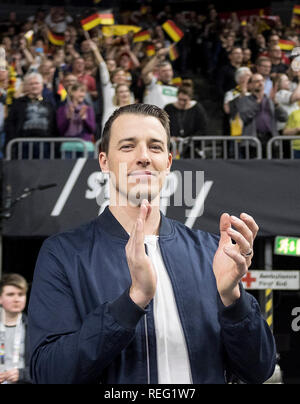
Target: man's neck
(127,216)
(123,103)
(187,106)
(259,96)
(11,318)
(34,97)
(167,82)
(237,65)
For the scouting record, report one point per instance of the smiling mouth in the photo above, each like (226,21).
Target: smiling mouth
(141,173)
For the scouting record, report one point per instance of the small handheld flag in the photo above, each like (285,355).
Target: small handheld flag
(286,45)
(106,18)
(173,53)
(90,22)
(29,36)
(56,39)
(62,92)
(296,9)
(172,30)
(150,50)
(119,30)
(296,16)
(176,81)
(103,18)
(141,36)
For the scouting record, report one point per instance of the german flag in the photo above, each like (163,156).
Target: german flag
(173,53)
(296,10)
(142,36)
(56,39)
(144,10)
(150,50)
(286,45)
(176,81)
(106,18)
(296,20)
(172,30)
(62,92)
(90,22)
(119,30)
(29,36)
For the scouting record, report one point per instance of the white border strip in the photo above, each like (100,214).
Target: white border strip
(199,205)
(63,197)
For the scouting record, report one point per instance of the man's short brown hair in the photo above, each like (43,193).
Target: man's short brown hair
(12,279)
(262,59)
(136,109)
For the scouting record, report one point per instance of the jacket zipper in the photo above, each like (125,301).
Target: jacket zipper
(147,349)
(147,338)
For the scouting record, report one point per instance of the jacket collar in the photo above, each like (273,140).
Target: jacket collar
(110,224)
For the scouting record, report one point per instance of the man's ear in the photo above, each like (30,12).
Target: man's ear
(170,159)
(103,162)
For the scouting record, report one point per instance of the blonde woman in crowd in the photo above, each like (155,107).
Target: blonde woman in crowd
(121,98)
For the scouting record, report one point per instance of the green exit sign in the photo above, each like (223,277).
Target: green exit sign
(287,246)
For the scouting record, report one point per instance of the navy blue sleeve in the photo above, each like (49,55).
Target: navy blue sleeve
(249,343)
(66,348)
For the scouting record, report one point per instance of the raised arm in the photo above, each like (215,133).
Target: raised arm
(248,341)
(96,51)
(153,62)
(232,261)
(141,269)
(296,93)
(73,338)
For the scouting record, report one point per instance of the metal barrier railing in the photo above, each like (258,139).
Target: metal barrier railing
(276,145)
(223,147)
(97,145)
(211,147)
(36,147)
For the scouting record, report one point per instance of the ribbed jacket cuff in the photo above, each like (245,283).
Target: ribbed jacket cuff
(125,311)
(238,310)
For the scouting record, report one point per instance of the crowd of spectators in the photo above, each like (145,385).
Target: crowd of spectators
(69,90)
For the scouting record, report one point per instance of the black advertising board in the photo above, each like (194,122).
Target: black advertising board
(202,189)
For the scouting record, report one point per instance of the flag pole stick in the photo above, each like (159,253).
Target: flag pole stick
(86,34)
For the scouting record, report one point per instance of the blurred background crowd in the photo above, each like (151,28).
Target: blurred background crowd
(218,70)
(63,73)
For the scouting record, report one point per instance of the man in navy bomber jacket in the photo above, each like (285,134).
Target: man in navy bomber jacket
(134,297)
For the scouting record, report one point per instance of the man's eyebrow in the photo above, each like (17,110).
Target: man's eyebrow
(127,139)
(156,140)
(134,139)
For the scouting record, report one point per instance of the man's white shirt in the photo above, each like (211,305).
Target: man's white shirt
(172,356)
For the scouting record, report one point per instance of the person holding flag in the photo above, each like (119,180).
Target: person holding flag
(160,90)
(109,82)
(57,20)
